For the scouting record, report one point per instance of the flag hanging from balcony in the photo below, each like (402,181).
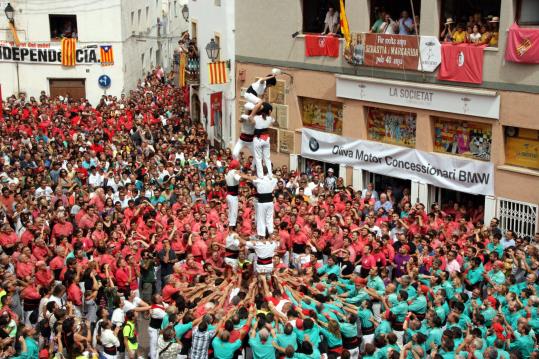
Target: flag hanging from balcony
(217,71)
(344,25)
(107,56)
(522,45)
(181,69)
(319,45)
(69,52)
(462,63)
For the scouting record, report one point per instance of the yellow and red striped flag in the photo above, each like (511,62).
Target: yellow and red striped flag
(217,72)
(344,25)
(181,69)
(107,56)
(69,52)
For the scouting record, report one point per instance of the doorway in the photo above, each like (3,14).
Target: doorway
(195,108)
(74,88)
(382,183)
(448,199)
(309,166)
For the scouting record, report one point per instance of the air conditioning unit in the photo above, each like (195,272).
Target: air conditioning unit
(148,29)
(140,33)
(133,33)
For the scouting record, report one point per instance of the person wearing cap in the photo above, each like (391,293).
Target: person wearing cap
(330,181)
(447,32)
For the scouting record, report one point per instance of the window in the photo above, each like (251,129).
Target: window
(147,14)
(464,15)
(142,64)
(217,39)
(139,15)
(394,17)
(463,138)
(315,12)
(63,26)
(321,115)
(396,128)
(194,30)
(522,147)
(132,18)
(528,12)
(175,9)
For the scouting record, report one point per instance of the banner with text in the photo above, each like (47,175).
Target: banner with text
(441,171)
(394,51)
(46,53)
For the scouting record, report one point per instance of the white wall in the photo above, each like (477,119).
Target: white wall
(212,19)
(98,22)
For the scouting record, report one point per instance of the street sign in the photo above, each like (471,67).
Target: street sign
(104,81)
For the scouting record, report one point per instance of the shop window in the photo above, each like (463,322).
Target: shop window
(322,115)
(63,26)
(463,138)
(395,17)
(464,15)
(528,12)
(315,14)
(522,147)
(397,128)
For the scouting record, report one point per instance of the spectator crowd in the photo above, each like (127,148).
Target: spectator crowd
(114,238)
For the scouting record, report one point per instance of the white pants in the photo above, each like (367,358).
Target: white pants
(232,203)
(366,339)
(400,337)
(376,310)
(108,356)
(240,144)
(252,100)
(354,353)
(153,334)
(264,218)
(232,262)
(262,151)
(263,268)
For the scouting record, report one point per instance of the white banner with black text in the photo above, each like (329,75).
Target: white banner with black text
(443,171)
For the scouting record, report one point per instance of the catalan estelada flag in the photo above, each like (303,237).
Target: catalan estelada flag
(217,72)
(344,25)
(107,56)
(69,52)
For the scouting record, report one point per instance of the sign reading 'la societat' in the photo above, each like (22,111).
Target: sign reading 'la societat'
(394,51)
(481,103)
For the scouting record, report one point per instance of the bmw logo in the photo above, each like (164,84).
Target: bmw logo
(313,144)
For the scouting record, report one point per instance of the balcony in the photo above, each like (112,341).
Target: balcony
(188,60)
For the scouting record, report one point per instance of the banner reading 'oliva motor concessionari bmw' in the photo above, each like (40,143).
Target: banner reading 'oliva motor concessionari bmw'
(439,170)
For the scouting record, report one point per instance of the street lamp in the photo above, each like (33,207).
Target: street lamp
(185,12)
(10,13)
(212,49)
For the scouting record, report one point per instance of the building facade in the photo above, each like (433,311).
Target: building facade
(133,30)
(215,103)
(401,110)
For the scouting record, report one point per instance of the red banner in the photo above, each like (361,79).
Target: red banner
(216,101)
(462,63)
(316,45)
(522,45)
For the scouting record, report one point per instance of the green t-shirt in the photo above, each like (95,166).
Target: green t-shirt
(129,334)
(224,350)
(284,340)
(262,350)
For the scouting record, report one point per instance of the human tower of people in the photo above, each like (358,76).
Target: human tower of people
(124,234)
